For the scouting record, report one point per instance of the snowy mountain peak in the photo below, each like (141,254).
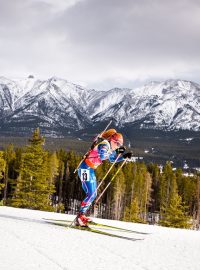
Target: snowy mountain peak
(59,104)
(173,104)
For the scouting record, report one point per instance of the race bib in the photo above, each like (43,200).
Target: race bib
(85,175)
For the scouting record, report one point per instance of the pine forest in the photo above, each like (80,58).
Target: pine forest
(34,178)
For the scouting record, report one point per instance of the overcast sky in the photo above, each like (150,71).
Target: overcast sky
(101,43)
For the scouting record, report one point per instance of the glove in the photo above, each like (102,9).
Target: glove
(120,150)
(128,155)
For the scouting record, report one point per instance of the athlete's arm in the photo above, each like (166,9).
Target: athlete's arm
(113,156)
(103,151)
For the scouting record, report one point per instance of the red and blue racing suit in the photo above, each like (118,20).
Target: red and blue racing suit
(96,156)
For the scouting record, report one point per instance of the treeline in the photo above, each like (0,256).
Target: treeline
(32,177)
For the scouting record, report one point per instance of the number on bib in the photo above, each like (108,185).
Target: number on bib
(85,175)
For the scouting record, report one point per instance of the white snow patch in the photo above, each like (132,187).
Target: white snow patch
(27,242)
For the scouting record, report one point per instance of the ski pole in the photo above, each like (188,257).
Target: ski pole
(123,163)
(98,136)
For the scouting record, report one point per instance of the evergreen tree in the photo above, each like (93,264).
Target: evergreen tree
(9,156)
(132,213)
(197,216)
(147,194)
(118,195)
(52,168)
(142,190)
(2,173)
(33,187)
(138,191)
(14,174)
(174,215)
(155,194)
(129,172)
(73,187)
(168,185)
(187,190)
(60,183)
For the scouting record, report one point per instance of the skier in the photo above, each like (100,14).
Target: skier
(110,146)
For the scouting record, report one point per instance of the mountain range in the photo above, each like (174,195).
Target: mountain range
(60,107)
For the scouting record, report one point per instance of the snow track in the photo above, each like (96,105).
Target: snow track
(28,242)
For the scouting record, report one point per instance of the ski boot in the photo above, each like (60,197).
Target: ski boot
(82,220)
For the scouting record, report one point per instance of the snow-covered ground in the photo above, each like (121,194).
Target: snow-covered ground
(27,242)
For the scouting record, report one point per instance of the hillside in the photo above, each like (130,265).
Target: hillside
(153,146)
(29,242)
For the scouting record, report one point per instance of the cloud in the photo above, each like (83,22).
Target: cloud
(132,31)
(92,41)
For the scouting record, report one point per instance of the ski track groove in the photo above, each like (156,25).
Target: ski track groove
(115,255)
(42,246)
(29,244)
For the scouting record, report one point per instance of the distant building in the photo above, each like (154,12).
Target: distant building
(185,166)
(196,169)
(161,168)
(188,174)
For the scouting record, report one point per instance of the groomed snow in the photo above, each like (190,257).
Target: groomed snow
(28,242)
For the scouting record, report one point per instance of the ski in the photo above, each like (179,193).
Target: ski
(92,230)
(116,228)
(100,225)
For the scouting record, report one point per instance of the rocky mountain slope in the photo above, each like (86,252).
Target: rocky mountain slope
(60,107)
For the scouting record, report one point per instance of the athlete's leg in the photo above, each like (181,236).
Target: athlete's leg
(89,185)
